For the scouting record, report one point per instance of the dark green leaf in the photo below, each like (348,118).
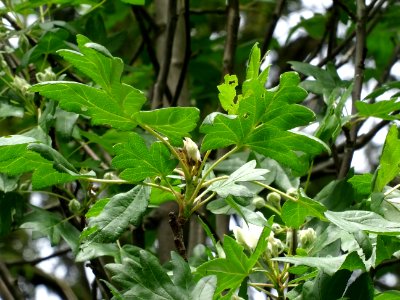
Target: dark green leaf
(11,208)
(120,211)
(139,162)
(385,247)
(361,289)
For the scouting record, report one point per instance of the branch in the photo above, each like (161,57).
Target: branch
(232,28)
(40,259)
(360,52)
(272,25)
(186,58)
(161,84)
(10,287)
(177,229)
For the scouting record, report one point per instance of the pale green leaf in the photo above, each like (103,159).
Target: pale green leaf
(204,289)
(173,122)
(355,220)
(247,172)
(227,94)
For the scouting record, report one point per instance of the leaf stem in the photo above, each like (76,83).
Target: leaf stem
(275,190)
(47,193)
(392,190)
(209,170)
(170,147)
(200,204)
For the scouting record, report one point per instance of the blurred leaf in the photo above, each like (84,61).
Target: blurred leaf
(139,162)
(388,295)
(227,94)
(381,109)
(204,288)
(135,2)
(364,242)
(53,226)
(93,250)
(383,89)
(328,265)
(11,209)
(385,247)
(389,165)
(119,212)
(361,289)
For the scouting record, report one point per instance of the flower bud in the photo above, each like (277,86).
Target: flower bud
(248,238)
(21,84)
(47,75)
(274,198)
(192,150)
(74,206)
(292,192)
(258,202)
(307,237)
(275,246)
(276,228)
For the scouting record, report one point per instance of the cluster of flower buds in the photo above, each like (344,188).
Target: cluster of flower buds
(47,75)
(22,85)
(306,237)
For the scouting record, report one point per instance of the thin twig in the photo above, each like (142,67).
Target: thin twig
(272,25)
(186,57)
(40,259)
(161,84)
(360,52)
(232,28)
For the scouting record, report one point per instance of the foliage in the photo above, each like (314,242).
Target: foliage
(113,147)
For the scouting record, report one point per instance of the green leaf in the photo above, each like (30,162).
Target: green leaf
(355,220)
(362,183)
(16,159)
(144,278)
(262,121)
(389,166)
(227,94)
(135,2)
(247,172)
(385,247)
(8,183)
(53,226)
(204,288)
(381,109)
(361,289)
(139,162)
(248,215)
(181,274)
(90,251)
(295,212)
(364,242)
(114,104)
(232,270)
(120,211)
(11,209)
(388,295)
(173,122)
(328,265)
(383,89)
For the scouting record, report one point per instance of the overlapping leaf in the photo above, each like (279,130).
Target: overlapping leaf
(229,186)
(263,118)
(233,269)
(114,104)
(115,217)
(139,162)
(382,109)
(17,156)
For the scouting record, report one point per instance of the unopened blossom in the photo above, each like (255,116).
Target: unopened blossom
(191,149)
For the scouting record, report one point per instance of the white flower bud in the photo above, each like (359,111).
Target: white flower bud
(21,84)
(276,227)
(191,149)
(274,199)
(275,246)
(307,237)
(292,192)
(258,202)
(47,75)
